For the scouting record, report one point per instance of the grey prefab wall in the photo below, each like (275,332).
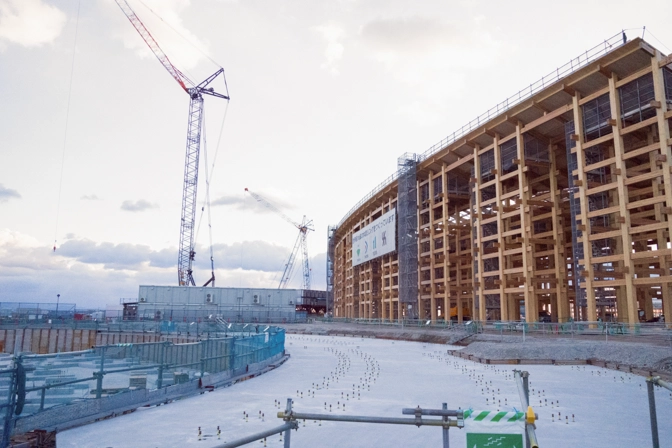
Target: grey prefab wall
(187,304)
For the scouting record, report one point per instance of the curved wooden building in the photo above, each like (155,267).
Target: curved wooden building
(554,204)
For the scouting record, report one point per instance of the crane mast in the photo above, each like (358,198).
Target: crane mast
(301,244)
(186,251)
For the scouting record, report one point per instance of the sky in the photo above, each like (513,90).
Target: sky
(325,95)
(604,408)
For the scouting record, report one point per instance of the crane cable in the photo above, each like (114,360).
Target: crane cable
(65,134)
(180,34)
(208,179)
(208,174)
(207,197)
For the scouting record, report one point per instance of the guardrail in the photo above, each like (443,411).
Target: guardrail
(656,332)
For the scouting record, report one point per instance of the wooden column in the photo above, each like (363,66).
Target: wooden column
(661,237)
(624,214)
(446,252)
(432,236)
(665,150)
(478,250)
(531,306)
(591,312)
(559,259)
(503,299)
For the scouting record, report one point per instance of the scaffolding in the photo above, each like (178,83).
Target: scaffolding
(331,246)
(577,235)
(636,97)
(407,208)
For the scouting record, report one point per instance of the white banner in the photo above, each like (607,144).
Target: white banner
(494,429)
(376,239)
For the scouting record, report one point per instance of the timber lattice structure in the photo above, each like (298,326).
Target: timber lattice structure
(558,200)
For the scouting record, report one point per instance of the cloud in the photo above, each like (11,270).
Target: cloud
(138,206)
(248,202)
(163,18)
(114,256)
(90,197)
(431,43)
(332,34)
(7,193)
(94,274)
(248,255)
(18,250)
(433,58)
(409,34)
(30,23)
(236,201)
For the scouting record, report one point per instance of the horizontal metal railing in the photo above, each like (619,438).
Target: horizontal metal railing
(655,332)
(148,326)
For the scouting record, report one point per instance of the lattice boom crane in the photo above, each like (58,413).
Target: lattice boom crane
(195,122)
(304,226)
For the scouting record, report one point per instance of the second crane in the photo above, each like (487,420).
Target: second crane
(304,226)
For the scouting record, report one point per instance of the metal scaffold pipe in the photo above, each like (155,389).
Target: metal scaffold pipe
(259,435)
(366,419)
(650,381)
(521,379)
(658,382)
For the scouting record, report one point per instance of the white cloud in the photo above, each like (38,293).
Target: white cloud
(248,255)
(248,202)
(89,197)
(432,57)
(81,269)
(163,19)
(138,206)
(30,23)
(333,35)
(7,193)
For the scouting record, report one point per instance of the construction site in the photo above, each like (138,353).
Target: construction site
(552,206)
(537,234)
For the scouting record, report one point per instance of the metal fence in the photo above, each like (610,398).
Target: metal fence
(653,332)
(32,384)
(166,327)
(447,418)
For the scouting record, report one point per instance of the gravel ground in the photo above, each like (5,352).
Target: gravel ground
(633,354)
(640,355)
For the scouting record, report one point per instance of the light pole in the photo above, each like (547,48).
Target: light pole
(58,299)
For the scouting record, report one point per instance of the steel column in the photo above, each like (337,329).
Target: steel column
(652,413)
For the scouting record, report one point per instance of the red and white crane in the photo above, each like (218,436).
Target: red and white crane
(304,226)
(195,124)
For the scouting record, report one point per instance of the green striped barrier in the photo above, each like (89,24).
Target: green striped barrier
(494,417)
(491,429)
